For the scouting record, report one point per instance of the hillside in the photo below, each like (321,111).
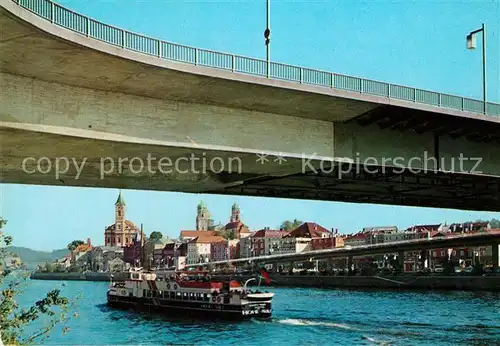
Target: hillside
(31,258)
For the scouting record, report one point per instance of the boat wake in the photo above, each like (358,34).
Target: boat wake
(374,341)
(299,322)
(303,322)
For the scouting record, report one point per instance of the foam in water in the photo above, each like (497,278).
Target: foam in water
(297,322)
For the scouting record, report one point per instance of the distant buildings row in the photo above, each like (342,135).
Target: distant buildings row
(126,244)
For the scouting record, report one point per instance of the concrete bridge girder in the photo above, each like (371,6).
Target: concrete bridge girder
(55,104)
(377,147)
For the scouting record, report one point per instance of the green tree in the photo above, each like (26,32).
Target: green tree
(155,235)
(288,225)
(226,234)
(74,244)
(14,319)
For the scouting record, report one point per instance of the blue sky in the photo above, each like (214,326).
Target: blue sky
(416,44)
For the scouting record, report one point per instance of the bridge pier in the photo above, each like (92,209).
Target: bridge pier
(495,255)
(350,264)
(401,261)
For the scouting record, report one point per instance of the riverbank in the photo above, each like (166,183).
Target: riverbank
(88,276)
(402,282)
(452,283)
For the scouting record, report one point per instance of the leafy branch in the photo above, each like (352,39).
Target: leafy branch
(13,318)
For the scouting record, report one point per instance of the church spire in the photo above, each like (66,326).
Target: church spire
(120,200)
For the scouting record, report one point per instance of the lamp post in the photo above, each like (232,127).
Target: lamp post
(267,35)
(471,44)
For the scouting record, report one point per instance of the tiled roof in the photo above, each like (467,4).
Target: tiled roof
(380,228)
(208,239)
(357,236)
(308,230)
(238,226)
(268,233)
(129,226)
(424,228)
(83,248)
(193,234)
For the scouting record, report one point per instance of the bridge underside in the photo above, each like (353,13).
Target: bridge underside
(420,122)
(96,156)
(65,95)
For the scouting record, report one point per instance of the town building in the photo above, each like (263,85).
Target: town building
(259,243)
(186,236)
(80,255)
(132,253)
(204,221)
(100,256)
(198,249)
(122,232)
(153,251)
(117,265)
(357,239)
(224,250)
(235,225)
(299,239)
(175,254)
(469,227)
(327,243)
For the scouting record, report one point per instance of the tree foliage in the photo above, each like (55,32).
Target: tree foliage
(226,234)
(155,235)
(288,225)
(74,244)
(13,318)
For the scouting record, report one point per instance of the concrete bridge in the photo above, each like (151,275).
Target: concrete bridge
(491,238)
(87,104)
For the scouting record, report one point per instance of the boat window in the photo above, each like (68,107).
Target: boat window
(172,295)
(191,296)
(144,293)
(206,297)
(199,296)
(179,295)
(185,296)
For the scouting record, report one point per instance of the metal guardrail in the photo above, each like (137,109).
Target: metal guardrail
(76,22)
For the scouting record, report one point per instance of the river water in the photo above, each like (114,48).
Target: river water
(301,317)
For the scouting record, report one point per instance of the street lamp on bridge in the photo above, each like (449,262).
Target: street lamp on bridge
(471,44)
(267,37)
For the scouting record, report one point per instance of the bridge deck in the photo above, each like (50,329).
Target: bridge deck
(486,238)
(195,74)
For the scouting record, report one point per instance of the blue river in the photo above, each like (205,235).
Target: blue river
(301,317)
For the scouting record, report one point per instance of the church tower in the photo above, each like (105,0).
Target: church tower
(235,213)
(120,220)
(203,220)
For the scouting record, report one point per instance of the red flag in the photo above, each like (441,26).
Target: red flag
(265,275)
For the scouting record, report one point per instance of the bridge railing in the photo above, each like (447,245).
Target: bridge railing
(76,22)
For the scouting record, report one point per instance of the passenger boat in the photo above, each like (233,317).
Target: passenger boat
(188,292)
